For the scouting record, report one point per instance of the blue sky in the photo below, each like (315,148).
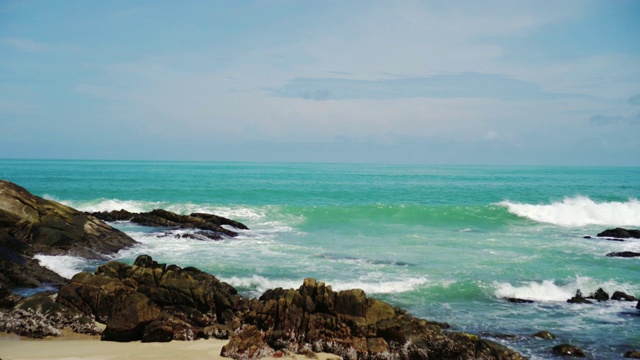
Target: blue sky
(456,82)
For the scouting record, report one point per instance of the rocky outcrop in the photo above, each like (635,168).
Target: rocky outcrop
(622,296)
(32,225)
(578,298)
(210,226)
(632,354)
(544,335)
(157,302)
(620,233)
(347,323)
(154,302)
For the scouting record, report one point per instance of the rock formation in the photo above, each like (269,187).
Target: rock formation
(210,226)
(620,233)
(155,302)
(32,225)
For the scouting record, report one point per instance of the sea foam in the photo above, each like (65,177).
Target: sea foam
(550,291)
(65,265)
(579,211)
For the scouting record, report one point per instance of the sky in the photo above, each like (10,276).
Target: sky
(427,82)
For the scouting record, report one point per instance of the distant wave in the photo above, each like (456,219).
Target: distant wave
(579,211)
(549,290)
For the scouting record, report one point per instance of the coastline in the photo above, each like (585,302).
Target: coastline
(90,347)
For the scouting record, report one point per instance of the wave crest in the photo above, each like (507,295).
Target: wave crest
(579,211)
(548,290)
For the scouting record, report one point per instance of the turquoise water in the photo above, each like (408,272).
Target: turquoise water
(446,242)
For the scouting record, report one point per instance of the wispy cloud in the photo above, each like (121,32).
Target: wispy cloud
(26,45)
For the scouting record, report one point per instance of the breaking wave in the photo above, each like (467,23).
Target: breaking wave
(579,211)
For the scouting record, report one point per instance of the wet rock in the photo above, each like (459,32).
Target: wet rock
(624,254)
(568,350)
(579,299)
(600,295)
(210,225)
(32,225)
(519,301)
(544,335)
(632,354)
(621,296)
(620,233)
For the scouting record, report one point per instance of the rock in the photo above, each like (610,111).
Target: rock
(587,237)
(544,335)
(32,225)
(620,233)
(153,302)
(568,350)
(621,296)
(600,295)
(632,354)
(519,301)
(625,254)
(39,316)
(579,299)
(210,225)
(638,306)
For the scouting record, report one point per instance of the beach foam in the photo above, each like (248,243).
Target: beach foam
(579,211)
(65,265)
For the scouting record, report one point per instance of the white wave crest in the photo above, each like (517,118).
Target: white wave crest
(113,204)
(65,265)
(550,291)
(579,211)
(262,284)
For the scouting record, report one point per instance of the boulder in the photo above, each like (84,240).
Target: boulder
(621,296)
(632,354)
(519,301)
(600,295)
(568,350)
(210,226)
(32,225)
(579,299)
(544,335)
(620,233)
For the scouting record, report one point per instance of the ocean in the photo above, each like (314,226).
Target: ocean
(448,243)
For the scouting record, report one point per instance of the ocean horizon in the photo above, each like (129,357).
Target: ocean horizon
(447,242)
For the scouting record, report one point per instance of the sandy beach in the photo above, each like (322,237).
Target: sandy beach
(76,346)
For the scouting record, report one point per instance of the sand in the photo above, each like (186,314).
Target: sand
(75,347)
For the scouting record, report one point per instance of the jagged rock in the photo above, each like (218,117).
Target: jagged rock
(632,354)
(600,295)
(32,225)
(152,302)
(7,299)
(210,225)
(579,299)
(620,233)
(568,350)
(544,335)
(621,296)
(638,306)
(624,254)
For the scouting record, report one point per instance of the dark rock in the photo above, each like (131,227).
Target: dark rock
(587,237)
(638,306)
(621,296)
(32,225)
(544,335)
(568,350)
(579,299)
(519,301)
(625,254)
(210,225)
(620,233)
(7,299)
(632,354)
(599,295)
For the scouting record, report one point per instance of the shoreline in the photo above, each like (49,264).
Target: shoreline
(89,347)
